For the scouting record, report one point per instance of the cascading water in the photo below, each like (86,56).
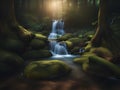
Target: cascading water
(57,48)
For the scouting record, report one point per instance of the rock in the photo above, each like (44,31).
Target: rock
(102,52)
(69,44)
(83,58)
(88,47)
(37,44)
(9,62)
(65,37)
(12,45)
(75,50)
(47,69)
(40,36)
(36,54)
(104,66)
(75,41)
(80,60)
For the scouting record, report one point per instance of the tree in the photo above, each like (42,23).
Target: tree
(104,33)
(9,27)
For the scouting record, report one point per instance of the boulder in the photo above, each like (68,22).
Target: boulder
(103,67)
(37,44)
(40,36)
(102,52)
(65,37)
(9,62)
(36,54)
(13,45)
(47,69)
(75,41)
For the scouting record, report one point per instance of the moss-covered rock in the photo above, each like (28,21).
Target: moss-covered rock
(80,60)
(75,41)
(88,47)
(40,36)
(12,45)
(46,69)
(36,54)
(83,59)
(65,37)
(102,52)
(89,37)
(10,58)
(9,62)
(69,44)
(75,50)
(37,44)
(103,67)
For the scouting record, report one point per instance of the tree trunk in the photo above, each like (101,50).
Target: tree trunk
(104,33)
(8,23)
(103,27)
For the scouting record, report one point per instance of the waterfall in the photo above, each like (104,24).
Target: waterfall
(57,48)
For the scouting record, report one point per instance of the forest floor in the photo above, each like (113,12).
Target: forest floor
(78,80)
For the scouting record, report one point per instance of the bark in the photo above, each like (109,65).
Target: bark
(8,23)
(103,27)
(104,33)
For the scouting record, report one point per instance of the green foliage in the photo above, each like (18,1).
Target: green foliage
(46,69)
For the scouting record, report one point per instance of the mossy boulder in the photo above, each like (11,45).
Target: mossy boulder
(69,44)
(89,37)
(103,67)
(46,69)
(80,60)
(88,47)
(40,36)
(13,45)
(65,37)
(9,62)
(75,50)
(102,52)
(75,41)
(37,44)
(36,54)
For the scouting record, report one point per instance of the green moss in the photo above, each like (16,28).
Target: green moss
(102,52)
(89,37)
(65,37)
(103,63)
(81,60)
(75,50)
(85,66)
(69,44)
(88,47)
(40,36)
(46,69)
(75,41)
(37,44)
(36,54)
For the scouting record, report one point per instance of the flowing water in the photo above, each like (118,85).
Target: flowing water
(57,48)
